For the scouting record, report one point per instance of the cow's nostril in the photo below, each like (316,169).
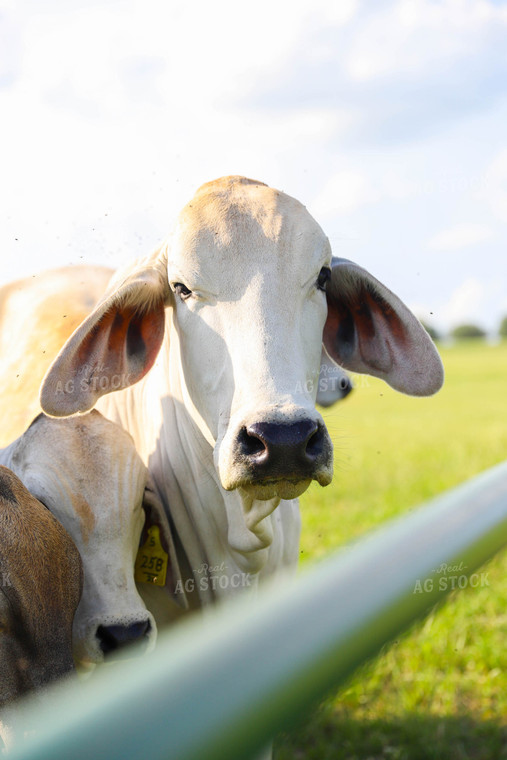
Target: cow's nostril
(251,444)
(113,637)
(316,443)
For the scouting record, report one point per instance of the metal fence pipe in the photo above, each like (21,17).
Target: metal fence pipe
(221,685)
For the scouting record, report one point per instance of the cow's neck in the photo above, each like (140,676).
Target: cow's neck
(228,539)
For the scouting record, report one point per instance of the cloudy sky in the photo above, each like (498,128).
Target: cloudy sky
(387,119)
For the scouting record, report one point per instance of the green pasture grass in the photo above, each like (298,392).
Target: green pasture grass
(440,691)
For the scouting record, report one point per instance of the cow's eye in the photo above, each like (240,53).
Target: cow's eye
(182,290)
(323,278)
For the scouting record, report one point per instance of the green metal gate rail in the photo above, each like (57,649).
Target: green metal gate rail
(219,686)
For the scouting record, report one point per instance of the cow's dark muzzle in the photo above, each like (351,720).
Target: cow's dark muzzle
(272,451)
(113,638)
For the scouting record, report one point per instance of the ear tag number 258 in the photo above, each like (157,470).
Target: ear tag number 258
(151,560)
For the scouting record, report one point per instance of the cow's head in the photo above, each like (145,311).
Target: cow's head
(87,472)
(253,292)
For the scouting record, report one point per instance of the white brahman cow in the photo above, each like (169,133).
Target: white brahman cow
(215,340)
(86,471)
(40,587)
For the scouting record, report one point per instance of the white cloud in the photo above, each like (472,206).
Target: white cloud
(460,236)
(121,109)
(343,194)
(493,188)
(373,180)
(414,37)
(126,110)
(407,66)
(10,48)
(212,52)
(465,304)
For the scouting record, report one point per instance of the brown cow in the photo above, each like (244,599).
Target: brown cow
(40,586)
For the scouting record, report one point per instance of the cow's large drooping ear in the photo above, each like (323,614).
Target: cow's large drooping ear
(369,330)
(115,346)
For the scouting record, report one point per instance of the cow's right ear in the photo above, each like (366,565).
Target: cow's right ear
(117,343)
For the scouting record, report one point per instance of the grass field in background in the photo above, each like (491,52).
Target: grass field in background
(441,690)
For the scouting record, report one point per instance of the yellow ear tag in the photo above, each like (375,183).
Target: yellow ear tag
(151,560)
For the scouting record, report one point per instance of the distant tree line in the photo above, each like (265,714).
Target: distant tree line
(466,331)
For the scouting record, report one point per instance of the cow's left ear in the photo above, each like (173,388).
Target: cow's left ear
(157,518)
(369,330)
(116,344)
